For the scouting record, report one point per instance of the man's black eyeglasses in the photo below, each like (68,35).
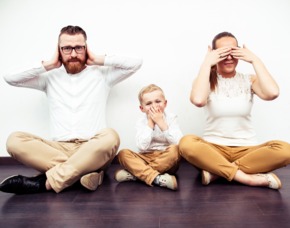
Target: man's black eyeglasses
(69,49)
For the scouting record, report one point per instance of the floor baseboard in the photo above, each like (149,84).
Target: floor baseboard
(8,161)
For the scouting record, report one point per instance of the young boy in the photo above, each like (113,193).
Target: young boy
(157,137)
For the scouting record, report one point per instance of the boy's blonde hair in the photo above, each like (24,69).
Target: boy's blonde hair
(148,89)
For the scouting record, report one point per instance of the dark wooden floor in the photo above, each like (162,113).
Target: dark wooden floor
(133,204)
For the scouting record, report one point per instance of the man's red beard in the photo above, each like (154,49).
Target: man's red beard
(74,66)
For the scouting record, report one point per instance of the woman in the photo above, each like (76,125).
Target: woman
(228,147)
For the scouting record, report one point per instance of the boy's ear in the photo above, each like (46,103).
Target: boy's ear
(165,103)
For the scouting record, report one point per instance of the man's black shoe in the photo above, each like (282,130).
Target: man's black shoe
(24,185)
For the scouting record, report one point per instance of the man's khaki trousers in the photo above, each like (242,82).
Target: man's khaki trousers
(64,162)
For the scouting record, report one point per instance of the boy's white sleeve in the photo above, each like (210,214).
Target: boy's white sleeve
(143,136)
(173,134)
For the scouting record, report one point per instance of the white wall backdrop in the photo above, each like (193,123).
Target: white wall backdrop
(172,38)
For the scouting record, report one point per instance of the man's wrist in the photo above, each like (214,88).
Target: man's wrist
(100,60)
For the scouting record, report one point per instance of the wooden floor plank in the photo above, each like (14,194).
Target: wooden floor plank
(134,204)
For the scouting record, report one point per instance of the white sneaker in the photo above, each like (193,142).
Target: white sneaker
(91,181)
(123,175)
(168,181)
(273,180)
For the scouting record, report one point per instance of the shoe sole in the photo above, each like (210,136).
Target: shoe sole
(119,179)
(205,177)
(91,181)
(278,180)
(116,175)
(175,186)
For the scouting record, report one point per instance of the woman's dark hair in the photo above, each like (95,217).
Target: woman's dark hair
(213,70)
(72,30)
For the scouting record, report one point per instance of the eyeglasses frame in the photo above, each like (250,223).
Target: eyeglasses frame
(73,48)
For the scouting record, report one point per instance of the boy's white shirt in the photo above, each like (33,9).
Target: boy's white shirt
(148,139)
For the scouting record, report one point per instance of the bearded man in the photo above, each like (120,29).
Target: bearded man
(77,84)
